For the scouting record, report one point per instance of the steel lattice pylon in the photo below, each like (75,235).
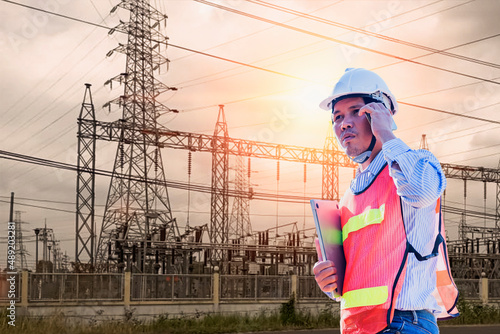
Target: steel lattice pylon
(497,210)
(330,175)
(138,208)
(219,212)
(85,183)
(239,223)
(20,250)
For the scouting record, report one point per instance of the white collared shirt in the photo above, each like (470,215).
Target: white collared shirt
(419,182)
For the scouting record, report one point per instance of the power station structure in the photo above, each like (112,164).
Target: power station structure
(139,232)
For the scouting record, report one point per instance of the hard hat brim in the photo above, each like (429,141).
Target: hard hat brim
(326,104)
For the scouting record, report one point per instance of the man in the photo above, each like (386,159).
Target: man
(397,277)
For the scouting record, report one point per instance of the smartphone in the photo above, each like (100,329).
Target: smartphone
(379,97)
(393,124)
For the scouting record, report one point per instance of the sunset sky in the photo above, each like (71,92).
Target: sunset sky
(47,59)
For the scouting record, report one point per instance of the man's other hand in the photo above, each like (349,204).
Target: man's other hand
(324,272)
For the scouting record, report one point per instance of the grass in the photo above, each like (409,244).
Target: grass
(288,317)
(474,313)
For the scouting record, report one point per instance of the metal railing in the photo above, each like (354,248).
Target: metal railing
(494,289)
(74,287)
(170,287)
(214,288)
(255,287)
(309,289)
(468,288)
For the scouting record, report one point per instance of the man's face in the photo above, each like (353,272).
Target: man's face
(353,132)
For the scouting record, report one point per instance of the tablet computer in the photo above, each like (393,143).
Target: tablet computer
(329,230)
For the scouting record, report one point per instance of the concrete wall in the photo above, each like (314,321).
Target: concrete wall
(146,312)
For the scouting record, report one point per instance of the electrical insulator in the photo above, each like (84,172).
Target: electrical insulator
(189,162)
(277,170)
(249,168)
(122,153)
(156,160)
(305,173)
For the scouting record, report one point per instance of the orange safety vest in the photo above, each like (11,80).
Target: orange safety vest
(376,251)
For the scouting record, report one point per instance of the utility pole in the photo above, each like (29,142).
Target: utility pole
(37,232)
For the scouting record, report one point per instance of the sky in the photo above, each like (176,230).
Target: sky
(46,60)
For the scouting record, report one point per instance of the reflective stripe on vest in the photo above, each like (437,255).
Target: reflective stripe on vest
(365,297)
(369,217)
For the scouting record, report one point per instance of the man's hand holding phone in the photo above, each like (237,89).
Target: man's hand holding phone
(380,119)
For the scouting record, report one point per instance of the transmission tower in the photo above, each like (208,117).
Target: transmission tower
(239,223)
(497,210)
(330,176)
(423,143)
(85,183)
(138,208)
(219,208)
(20,249)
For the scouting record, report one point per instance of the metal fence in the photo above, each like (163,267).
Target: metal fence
(170,287)
(75,287)
(308,288)
(255,287)
(71,287)
(494,288)
(468,288)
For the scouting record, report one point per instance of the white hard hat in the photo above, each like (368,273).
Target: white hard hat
(363,83)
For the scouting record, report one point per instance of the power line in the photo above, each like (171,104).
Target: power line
(443,50)
(443,90)
(253,33)
(243,64)
(50,71)
(45,207)
(57,136)
(72,203)
(479,157)
(41,114)
(269,21)
(55,14)
(449,112)
(276,72)
(453,131)
(342,42)
(168,44)
(453,47)
(172,184)
(211,80)
(293,50)
(471,150)
(241,100)
(374,34)
(446,208)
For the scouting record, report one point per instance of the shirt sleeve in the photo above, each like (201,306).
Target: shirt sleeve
(419,180)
